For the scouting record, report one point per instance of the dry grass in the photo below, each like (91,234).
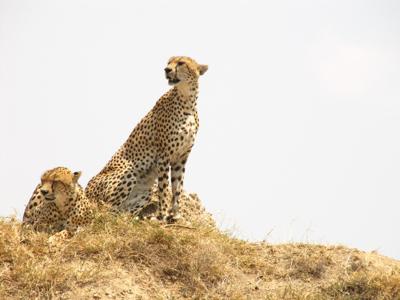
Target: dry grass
(118,258)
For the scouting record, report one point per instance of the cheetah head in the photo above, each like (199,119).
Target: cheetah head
(183,69)
(59,185)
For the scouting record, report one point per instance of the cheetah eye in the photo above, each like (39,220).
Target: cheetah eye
(180,63)
(58,184)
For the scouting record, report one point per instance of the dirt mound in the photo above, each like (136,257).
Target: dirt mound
(120,258)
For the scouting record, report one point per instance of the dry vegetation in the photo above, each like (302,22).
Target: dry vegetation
(118,258)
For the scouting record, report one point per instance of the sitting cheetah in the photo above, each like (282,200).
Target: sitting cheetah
(58,204)
(160,143)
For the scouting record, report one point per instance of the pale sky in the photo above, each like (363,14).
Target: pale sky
(299,111)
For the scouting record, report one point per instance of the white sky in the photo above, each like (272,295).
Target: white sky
(299,111)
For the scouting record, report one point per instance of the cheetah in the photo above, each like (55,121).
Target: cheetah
(160,144)
(191,209)
(58,204)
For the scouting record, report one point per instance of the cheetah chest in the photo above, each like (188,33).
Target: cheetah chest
(186,135)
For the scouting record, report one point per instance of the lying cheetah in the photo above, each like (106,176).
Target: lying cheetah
(58,204)
(160,143)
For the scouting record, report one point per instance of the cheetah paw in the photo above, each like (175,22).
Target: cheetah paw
(173,218)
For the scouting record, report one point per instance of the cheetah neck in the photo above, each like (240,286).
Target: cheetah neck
(65,206)
(188,91)
(60,205)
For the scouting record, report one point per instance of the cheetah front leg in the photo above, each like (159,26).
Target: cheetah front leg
(177,174)
(163,176)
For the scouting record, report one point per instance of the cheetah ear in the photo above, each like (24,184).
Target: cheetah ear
(76,176)
(203,69)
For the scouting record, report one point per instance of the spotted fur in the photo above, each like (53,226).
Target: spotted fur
(58,204)
(158,146)
(191,210)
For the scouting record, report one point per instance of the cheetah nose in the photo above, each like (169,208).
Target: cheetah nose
(167,70)
(44,192)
